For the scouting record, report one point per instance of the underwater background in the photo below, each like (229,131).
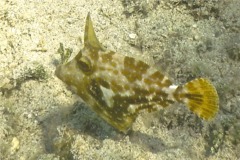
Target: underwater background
(41,118)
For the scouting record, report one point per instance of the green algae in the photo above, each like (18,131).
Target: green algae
(65,53)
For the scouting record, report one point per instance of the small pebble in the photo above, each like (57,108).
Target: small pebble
(132,35)
(15,144)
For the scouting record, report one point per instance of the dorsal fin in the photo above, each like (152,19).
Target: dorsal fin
(90,39)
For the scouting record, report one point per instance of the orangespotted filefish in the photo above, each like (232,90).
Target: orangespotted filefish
(119,87)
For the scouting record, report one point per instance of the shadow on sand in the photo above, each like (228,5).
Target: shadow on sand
(80,120)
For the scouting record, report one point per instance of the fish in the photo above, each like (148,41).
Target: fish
(118,87)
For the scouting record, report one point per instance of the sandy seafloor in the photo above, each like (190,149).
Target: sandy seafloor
(40,118)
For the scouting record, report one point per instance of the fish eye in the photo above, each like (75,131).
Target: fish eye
(84,64)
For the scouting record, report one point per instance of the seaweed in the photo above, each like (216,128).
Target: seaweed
(65,53)
(36,71)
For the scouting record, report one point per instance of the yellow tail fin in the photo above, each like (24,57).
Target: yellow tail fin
(200,96)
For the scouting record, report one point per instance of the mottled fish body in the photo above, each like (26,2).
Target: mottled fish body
(118,87)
